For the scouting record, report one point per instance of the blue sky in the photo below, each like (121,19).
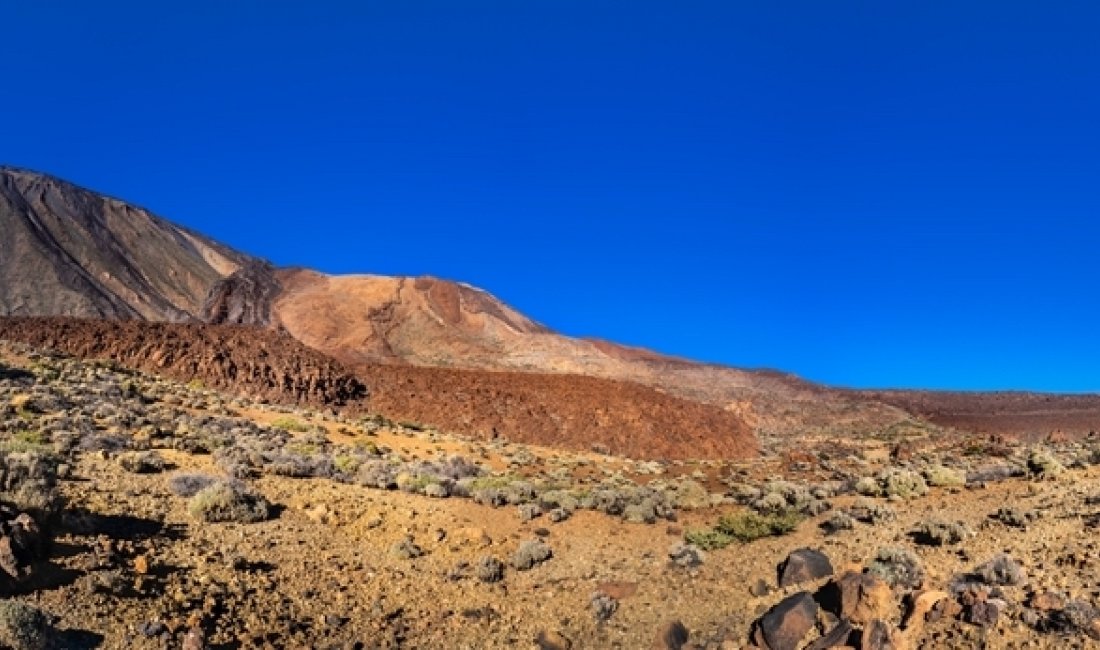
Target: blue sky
(864,193)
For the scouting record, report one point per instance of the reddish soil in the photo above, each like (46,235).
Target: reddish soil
(566,411)
(555,410)
(242,360)
(1024,415)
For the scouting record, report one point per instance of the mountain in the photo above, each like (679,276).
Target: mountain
(442,352)
(68,251)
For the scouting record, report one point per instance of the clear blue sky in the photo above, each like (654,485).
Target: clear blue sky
(864,193)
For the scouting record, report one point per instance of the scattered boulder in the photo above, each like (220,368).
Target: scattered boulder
(859,598)
(672,636)
(22,547)
(803,565)
(784,626)
(836,637)
(880,635)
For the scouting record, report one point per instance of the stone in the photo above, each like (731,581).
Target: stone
(784,626)
(672,636)
(985,613)
(879,635)
(553,641)
(922,606)
(141,565)
(1046,601)
(859,598)
(836,637)
(759,588)
(803,565)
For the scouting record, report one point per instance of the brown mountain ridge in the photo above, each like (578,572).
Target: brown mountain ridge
(441,352)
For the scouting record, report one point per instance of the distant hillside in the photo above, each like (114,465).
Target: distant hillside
(67,251)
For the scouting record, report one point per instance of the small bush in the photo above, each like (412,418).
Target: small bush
(939,532)
(226,501)
(142,462)
(869,512)
(902,483)
(406,549)
(1015,517)
(1042,464)
(23,627)
(290,424)
(1001,571)
(531,553)
(940,476)
(489,569)
(708,539)
(602,606)
(28,482)
(898,567)
(837,522)
(188,485)
(686,556)
(750,526)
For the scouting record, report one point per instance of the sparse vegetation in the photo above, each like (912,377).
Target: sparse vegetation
(941,476)
(23,627)
(744,527)
(290,424)
(142,462)
(940,532)
(898,566)
(530,554)
(228,501)
(1043,464)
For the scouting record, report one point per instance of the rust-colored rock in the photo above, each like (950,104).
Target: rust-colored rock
(804,565)
(784,626)
(859,598)
(255,362)
(672,636)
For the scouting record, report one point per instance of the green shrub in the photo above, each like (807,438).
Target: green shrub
(940,476)
(290,424)
(708,539)
(750,526)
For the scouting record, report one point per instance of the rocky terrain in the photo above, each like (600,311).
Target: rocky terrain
(72,252)
(145,513)
(579,413)
(246,361)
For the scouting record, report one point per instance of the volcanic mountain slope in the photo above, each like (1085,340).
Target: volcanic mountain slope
(567,412)
(68,251)
(240,360)
(431,322)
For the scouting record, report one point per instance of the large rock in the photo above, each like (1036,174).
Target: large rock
(784,626)
(880,635)
(837,637)
(804,565)
(21,549)
(859,598)
(673,636)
